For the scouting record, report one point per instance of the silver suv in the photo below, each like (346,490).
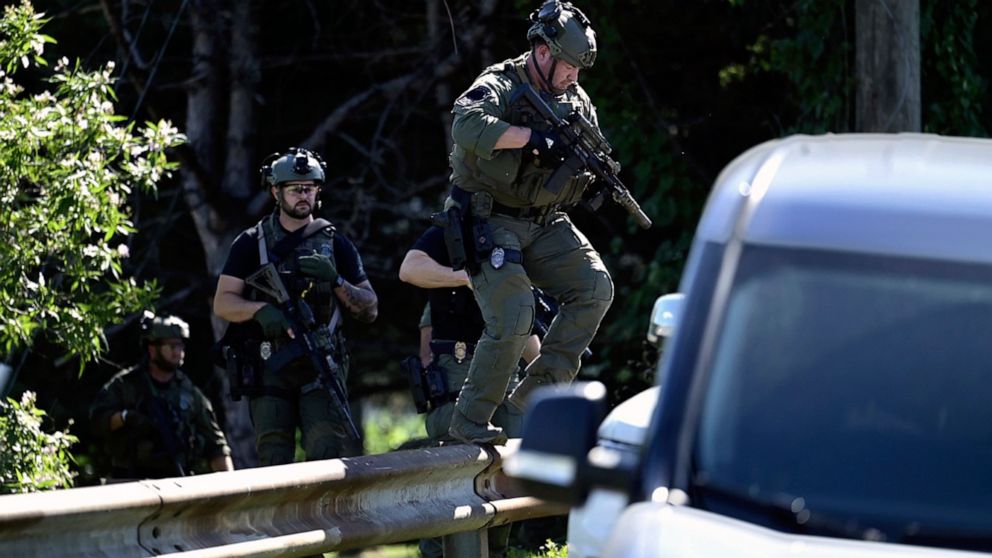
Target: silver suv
(828,387)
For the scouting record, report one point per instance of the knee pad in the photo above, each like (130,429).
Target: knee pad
(602,289)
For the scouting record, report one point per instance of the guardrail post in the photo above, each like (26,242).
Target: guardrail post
(468,544)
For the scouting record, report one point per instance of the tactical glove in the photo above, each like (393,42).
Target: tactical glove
(272,320)
(319,267)
(550,149)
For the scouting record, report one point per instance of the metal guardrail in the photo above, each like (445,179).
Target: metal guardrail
(286,510)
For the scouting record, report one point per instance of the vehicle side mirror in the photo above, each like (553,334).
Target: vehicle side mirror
(559,430)
(664,317)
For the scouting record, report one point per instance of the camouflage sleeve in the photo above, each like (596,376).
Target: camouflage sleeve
(478,115)
(215,444)
(588,108)
(108,401)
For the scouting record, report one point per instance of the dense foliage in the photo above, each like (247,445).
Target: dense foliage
(67,168)
(31,458)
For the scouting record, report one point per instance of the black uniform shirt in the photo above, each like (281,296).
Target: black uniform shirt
(455,316)
(243,259)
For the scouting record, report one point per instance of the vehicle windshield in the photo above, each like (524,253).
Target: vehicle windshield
(858,387)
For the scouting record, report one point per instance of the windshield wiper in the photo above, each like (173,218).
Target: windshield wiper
(785,512)
(947,538)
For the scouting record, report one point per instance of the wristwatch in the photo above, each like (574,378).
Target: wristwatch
(339,282)
(124,416)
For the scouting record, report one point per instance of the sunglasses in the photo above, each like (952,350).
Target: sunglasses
(302,189)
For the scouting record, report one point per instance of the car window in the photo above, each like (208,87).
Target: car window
(858,383)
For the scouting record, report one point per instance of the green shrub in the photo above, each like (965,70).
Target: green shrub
(68,168)
(30,458)
(550,549)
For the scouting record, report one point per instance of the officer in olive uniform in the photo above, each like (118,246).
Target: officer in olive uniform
(154,421)
(323,267)
(502,158)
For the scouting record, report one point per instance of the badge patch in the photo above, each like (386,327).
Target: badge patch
(497,258)
(265,350)
(474,96)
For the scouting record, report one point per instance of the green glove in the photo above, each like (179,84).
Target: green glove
(272,320)
(319,267)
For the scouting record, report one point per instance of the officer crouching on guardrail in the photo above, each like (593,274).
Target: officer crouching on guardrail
(155,422)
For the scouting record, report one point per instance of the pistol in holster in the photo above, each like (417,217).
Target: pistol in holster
(243,373)
(451,222)
(482,235)
(429,386)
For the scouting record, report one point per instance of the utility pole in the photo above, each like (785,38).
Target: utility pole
(887,66)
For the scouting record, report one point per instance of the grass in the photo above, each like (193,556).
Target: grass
(389,421)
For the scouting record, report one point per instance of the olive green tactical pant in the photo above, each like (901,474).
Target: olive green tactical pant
(437,422)
(559,259)
(275,419)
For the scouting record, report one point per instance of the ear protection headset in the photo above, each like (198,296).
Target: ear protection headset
(266,170)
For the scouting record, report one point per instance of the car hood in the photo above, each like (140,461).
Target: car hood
(628,423)
(659,529)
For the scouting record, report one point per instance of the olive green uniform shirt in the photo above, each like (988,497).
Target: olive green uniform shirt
(483,113)
(139,447)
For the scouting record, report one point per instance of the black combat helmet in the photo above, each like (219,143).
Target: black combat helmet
(155,328)
(296,164)
(566,31)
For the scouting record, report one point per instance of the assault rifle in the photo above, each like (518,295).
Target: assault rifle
(311,340)
(158,412)
(587,150)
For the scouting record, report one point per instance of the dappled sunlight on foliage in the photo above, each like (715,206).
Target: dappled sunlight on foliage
(30,458)
(68,165)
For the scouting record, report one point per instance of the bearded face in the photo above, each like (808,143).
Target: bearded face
(168,354)
(297,199)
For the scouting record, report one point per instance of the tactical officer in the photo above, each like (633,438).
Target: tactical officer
(453,323)
(503,156)
(323,268)
(155,422)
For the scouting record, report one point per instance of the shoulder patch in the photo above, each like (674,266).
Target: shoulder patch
(475,96)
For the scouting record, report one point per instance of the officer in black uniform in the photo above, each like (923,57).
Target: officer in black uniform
(323,268)
(456,324)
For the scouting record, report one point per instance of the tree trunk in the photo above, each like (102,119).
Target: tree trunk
(241,167)
(888,66)
(442,91)
(203,100)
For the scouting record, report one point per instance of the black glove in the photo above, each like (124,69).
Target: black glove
(272,320)
(136,420)
(548,146)
(319,267)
